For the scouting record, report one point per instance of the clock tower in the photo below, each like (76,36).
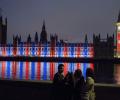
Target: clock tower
(118,36)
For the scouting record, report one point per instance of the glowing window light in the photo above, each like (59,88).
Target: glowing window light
(33,49)
(59,50)
(118,28)
(78,51)
(27,50)
(72,51)
(8,51)
(45,51)
(21,49)
(3,51)
(119,41)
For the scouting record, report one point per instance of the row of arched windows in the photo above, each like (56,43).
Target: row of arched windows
(48,49)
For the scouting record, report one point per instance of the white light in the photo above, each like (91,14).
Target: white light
(119,28)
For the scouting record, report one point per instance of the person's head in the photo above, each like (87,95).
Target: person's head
(78,73)
(89,73)
(60,68)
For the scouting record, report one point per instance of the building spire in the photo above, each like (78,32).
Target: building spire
(36,37)
(43,27)
(43,35)
(1,16)
(29,39)
(86,39)
(118,17)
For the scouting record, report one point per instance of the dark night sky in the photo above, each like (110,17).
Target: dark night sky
(70,19)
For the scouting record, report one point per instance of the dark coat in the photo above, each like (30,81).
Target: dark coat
(79,88)
(58,87)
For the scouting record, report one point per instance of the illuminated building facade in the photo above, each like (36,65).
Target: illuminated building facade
(42,48)
(118,37)
(100,48)
(43,70)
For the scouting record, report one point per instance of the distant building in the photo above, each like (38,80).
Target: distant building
(103,48)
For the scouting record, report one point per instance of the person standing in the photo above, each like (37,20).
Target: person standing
(69,86)
(58,84)
(79,85)
(90,84)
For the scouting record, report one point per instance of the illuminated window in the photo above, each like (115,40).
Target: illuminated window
(118,28)
(119,41)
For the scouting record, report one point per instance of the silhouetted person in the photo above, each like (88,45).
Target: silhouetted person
(58,83)
(79,85)
(69,86)
(90,84)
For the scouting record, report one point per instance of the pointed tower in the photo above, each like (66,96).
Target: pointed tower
(36,37)
(3,29)
(118,36)
(86,39)
(4,32)
(29,39)
(43,35)
(0,25)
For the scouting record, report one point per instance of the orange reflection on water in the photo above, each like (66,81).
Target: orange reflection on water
(117,73)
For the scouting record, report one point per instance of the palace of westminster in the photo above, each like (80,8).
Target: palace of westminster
(41,47)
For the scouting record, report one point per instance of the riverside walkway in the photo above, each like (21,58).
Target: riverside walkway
(34,90)
(41,90)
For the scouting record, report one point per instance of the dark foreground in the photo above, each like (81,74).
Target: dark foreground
(28,90)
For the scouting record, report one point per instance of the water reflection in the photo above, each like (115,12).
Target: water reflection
(117,73)
(37,70)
